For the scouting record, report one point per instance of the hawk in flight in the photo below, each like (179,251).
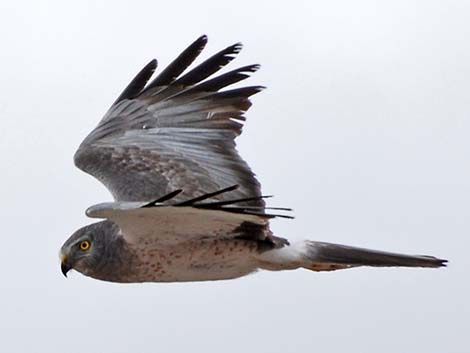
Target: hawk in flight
(187,207)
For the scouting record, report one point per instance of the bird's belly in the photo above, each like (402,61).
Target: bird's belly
(202,260)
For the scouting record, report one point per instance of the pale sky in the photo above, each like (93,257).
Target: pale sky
(363,130)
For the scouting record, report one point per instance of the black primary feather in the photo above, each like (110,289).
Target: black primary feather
(135,87)
(231,202)
(243,210)
(244,92)
(191,202)
(223,80)
(226,206)
(163,198)
(210,66)
(181,63)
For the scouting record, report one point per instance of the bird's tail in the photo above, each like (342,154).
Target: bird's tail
(320,256)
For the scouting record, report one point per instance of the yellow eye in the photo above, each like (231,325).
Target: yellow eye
(84,245)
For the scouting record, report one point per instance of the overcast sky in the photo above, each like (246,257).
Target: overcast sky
(363,130)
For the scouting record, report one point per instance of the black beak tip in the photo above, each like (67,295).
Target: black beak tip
(64,267)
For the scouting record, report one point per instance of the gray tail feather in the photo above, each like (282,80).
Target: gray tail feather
(328,257)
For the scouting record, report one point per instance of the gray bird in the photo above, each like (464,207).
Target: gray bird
(187,207)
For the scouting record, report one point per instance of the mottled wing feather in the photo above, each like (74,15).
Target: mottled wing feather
(175,133)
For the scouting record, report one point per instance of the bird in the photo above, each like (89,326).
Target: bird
(186,206)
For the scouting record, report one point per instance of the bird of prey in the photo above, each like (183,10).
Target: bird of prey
(186,206)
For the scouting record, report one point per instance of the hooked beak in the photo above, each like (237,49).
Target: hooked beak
(65,266)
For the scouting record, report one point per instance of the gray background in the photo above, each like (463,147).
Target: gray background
(363,131)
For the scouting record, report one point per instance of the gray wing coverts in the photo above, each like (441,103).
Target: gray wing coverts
(175,132)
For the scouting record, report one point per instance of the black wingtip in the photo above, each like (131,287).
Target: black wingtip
(226,205)
(442,262)
(224,80)
(135,87)
(163,198)
(218,204)
(202,39)
(231,205)
(180,64)
(200,43)
(207,196)
(237,47)
(210,65)
(432,261)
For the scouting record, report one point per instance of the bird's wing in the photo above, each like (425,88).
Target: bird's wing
(176,132)
(170,222)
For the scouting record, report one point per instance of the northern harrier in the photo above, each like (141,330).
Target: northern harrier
(187,207)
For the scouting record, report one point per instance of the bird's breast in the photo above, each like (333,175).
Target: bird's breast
(194,260)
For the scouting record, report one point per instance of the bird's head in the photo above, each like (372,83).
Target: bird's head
(85,250)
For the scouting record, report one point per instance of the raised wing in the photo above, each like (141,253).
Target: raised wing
(176,132)
(170,222)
